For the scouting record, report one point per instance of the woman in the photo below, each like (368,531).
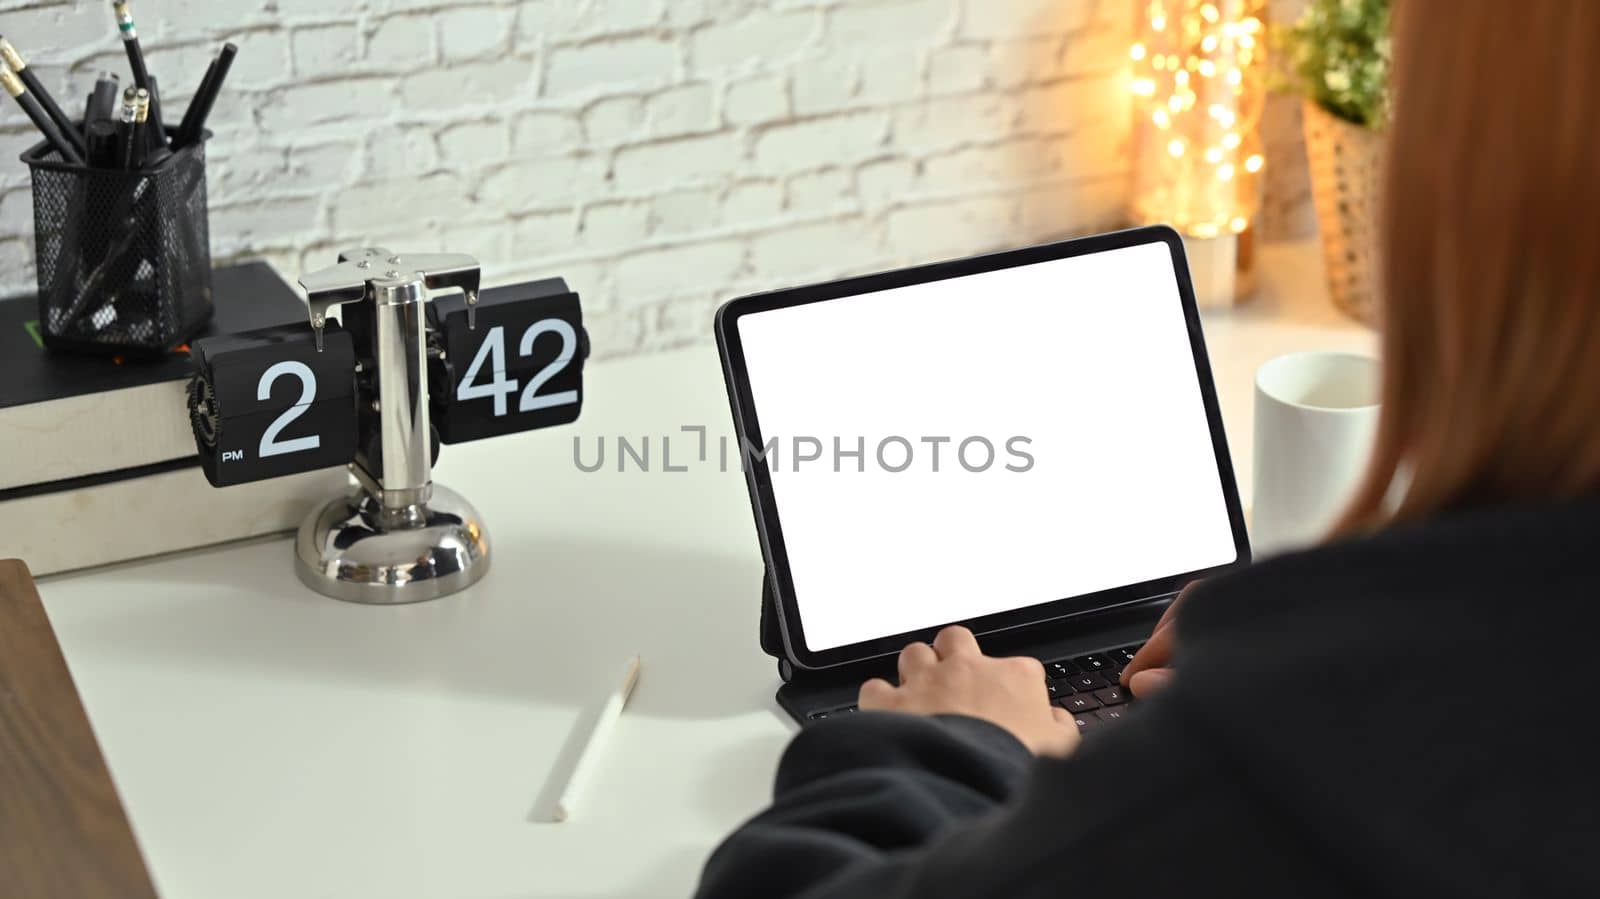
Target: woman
(1391,714)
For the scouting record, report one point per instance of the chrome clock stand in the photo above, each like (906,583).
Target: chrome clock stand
(398,537)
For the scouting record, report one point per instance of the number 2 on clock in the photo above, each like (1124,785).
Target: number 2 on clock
(493,353)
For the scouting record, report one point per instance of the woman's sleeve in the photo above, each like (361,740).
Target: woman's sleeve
(894,806)
(855,791)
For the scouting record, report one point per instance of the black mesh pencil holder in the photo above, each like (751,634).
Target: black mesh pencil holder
(124,257)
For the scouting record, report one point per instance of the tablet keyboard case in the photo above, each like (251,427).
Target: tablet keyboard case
(805,691)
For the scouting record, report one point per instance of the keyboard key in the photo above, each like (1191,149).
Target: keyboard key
(817,716)
(1086,721)
(1080,702)
(1058,688)
(1060,668)
(1124,654)
(1092,663)
(1087,682)
(1113,714)
(1110,696)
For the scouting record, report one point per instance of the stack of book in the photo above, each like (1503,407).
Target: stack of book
(97,459)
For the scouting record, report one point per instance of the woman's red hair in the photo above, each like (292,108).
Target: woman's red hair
(1491,260)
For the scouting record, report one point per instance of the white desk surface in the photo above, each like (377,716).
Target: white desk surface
(269,742)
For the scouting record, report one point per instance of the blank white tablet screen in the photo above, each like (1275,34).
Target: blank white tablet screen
(1082,364)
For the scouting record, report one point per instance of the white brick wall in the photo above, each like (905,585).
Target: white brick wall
(663,155)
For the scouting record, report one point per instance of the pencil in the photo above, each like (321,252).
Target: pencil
(193,125)
(130,42)
(52,134)
(126,120)
(603,725)
(136,138)
(157,129)
(64,124)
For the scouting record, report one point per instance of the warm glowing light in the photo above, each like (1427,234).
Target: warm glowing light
(1198,87)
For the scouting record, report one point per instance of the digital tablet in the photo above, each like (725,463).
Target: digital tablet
(1001,441)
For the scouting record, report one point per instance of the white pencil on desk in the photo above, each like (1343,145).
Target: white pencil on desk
(596,741)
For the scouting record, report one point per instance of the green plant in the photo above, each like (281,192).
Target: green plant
(1339,55)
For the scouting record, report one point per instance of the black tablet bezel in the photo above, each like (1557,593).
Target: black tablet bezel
(759,479)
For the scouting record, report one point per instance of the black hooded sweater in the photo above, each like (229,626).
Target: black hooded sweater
(1408,714)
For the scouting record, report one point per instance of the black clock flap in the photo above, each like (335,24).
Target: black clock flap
(267,403)
(518,369)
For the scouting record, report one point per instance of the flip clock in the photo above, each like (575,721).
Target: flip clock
(398,374)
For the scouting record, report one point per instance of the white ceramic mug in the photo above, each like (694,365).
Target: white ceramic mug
(1316,415)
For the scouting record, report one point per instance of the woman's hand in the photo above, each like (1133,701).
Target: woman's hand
(1150,670)
(954,677)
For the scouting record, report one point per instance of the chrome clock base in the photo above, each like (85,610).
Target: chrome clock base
(357,550)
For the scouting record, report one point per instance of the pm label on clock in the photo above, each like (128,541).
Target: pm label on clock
(265,404)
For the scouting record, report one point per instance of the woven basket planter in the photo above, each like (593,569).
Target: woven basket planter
(1345,162)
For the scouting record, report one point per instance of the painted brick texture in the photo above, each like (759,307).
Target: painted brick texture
(663,155)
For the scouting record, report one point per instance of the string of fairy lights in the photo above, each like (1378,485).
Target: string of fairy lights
(1198,82)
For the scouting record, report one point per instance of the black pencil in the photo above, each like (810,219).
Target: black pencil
(141,114)
(130,42)
(187,122)
(52,134)
(125,126)
(194,118)
(156,130)
(64,124)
